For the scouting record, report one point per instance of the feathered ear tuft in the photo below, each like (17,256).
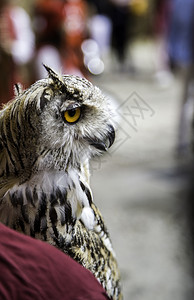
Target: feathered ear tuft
(56,79)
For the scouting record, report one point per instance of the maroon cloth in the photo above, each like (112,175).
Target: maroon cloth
(31,269)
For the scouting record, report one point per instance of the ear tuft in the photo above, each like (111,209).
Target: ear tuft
(51,73)
(58,83)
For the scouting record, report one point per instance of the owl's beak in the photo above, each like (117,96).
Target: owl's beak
(111,135)
(106,143)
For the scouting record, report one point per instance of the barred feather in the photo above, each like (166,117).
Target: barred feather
(44,174)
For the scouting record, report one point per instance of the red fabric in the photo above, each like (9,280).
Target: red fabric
(31,269)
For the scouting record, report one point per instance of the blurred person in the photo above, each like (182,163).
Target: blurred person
(32,269)
(185,139)
(180,33)
(181,51)
(48,26)
(60,27)
(120,16)
(161,21)
(75,26)
(100,25)
(16,47)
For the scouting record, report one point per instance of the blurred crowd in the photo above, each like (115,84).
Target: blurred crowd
(80,36)
(76,36)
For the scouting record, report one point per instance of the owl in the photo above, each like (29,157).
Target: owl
(48,134)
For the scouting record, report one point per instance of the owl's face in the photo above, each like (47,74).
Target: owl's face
(66,116)
(77,118)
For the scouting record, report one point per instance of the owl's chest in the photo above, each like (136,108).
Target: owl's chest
(47,205)
(59,210)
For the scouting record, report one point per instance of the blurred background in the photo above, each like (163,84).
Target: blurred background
(140,53)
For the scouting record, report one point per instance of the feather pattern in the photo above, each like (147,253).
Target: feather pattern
(48,134)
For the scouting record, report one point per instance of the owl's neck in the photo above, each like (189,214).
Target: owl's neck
(54,189)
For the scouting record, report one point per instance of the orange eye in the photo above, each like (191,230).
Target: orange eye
(72,116)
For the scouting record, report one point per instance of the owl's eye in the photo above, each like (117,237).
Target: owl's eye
(71,116)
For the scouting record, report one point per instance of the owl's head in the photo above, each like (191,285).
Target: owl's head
(57,121)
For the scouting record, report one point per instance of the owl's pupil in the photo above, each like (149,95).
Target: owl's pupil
(72,112)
